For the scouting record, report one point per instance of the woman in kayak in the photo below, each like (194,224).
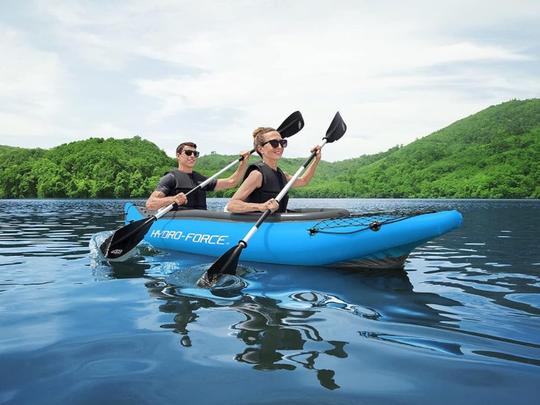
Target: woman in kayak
(264,180)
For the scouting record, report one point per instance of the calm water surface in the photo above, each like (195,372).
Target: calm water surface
(459,325)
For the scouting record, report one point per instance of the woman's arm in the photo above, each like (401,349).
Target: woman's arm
(237,203)
(310,171)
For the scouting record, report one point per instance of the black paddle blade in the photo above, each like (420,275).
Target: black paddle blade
(124,240)
(226,264)
(336,129)
(292,124)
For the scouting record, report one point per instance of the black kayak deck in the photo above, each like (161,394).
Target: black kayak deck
(303,214)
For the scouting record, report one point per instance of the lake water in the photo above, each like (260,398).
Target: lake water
(461,323)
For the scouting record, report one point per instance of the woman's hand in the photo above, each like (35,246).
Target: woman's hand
(245,155)
(271,205)
(317,150)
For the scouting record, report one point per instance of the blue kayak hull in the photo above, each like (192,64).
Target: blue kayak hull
(310,238)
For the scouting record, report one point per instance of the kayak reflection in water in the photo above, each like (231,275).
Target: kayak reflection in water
(173,186)
(264,180)
(290,332)
(275,337)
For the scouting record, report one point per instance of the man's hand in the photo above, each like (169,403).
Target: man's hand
(180,199)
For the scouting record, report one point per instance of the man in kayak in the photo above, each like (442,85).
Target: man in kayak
(174,185)
(264,180)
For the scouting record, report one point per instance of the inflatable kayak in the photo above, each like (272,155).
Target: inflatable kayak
(307,237)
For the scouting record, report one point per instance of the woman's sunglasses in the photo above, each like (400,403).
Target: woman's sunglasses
(190,152)
(274,143)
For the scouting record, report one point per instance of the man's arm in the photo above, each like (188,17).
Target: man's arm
(158,200)
(159,197)
(236,177)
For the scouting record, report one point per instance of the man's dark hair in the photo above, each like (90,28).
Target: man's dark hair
(180,147)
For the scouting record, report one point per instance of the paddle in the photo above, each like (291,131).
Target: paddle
(118,246)
(227,263)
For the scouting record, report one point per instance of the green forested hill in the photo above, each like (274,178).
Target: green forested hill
(492,154)
(91,168)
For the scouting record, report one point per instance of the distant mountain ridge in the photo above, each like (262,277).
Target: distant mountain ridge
(491,154)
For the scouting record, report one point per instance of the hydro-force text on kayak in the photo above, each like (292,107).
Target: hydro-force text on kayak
(191,237)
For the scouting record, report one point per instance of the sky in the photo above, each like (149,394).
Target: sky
(212,71)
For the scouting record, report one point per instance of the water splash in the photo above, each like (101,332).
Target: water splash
(140,251)
(228,286)
(96,255)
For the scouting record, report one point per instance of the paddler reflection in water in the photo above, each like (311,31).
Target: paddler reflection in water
(264,180)
(173,186)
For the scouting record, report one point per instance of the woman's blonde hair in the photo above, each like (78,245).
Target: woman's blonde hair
(258,136)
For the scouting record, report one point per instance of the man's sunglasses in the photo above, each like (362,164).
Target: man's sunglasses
(274,143)
(190,152)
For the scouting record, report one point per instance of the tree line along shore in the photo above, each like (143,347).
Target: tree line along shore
(492,154)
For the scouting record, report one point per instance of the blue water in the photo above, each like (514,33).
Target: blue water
(459,325)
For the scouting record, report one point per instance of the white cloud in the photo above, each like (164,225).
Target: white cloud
(30,79)
(396,72)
